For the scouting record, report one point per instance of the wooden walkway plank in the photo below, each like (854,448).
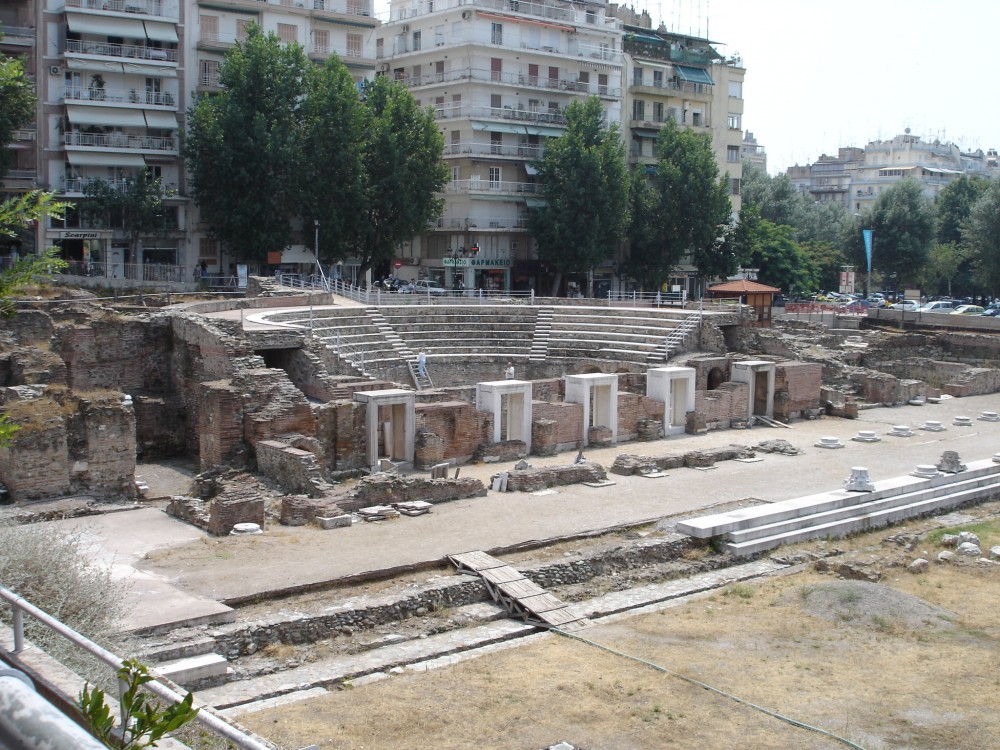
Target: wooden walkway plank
(542,603)
(521,589)
(506,574)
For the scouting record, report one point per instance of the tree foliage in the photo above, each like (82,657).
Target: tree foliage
(17,105)
(403,171)
(243,146)
(944,262)
(981,236)
(585,185)
(138,206)
(691,202)
(781,262)
(954,206)
(902,220)
(284,145)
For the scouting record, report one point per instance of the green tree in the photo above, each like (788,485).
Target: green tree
(981,235)
(828,260)
(943,264)
(902,220)
(692,207)
(585,185)
(137,207)
(17,105)
(650,260)
(781,262)
(775,197)
(333,175)
(403,171)
(244,146)
(954,205)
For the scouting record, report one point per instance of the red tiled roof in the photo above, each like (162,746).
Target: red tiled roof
(742,286)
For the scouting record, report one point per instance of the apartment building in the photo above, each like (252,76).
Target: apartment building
(672,76)
(114,79)
(499,74)
(753,152)
(857,176)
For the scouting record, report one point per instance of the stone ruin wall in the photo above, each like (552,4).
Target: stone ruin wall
(69,444)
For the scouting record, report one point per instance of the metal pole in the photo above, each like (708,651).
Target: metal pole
(29,722)
(18,623)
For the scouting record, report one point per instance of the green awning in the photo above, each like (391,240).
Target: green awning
(535,202)
(646,132)
(645,38)
(694,75)
(525,129)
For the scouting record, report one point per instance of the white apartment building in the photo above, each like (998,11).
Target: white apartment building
(856,177)
(500,74)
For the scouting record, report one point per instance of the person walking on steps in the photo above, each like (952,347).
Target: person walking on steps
(421,364)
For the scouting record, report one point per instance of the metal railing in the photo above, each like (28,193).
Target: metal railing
(108,49)
(143,7)
(120,140)
(29,722)
(119,96)
(206,716)
(647,299)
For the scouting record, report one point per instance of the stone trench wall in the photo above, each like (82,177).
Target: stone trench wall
(233,641)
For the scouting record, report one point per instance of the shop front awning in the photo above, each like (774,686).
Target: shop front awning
(130,28)
(160,120)
(104,159)
(694,75)
(106,116)
(160,32)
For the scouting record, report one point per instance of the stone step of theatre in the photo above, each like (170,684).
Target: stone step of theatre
(841,512)
(194,668)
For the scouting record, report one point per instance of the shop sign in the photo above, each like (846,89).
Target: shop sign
(477,262)
(82,235)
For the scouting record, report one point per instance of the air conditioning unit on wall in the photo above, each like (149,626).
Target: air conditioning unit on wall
(404,28)
(466,14)
(55,70)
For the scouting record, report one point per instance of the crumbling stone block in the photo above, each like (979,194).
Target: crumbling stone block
(532,480)
(544,440)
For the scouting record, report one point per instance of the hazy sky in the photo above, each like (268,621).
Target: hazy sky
(821,75)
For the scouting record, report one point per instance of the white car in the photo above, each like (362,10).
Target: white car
(427,286)
(939,306)
(906,304)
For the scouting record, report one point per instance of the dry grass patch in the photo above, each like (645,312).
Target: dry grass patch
(880,679)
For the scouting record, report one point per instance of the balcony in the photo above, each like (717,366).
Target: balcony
(351,54)
(17,36)
(547,11)
(130,141)
(667,50)
(343,7)
(19,179)
(525,152)
(479,223)
(536,117)
(118,96)
(207,84)
(77,185)
(519,79)
(131,51)
(154,8)
(25,135)
(497,187)
(571,48)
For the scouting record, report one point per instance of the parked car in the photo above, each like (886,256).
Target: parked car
(906,304)
(427,286)
(938,306)
(968,310)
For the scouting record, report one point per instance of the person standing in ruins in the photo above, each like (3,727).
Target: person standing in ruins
(422,364)
(509,372)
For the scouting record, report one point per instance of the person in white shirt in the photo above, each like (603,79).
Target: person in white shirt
(509,372)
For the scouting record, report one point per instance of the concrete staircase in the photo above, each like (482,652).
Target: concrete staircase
(543,331)
(187,662)
(421,383)
(389,333)
(839,513)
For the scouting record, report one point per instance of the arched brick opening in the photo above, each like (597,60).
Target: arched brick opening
(715,378)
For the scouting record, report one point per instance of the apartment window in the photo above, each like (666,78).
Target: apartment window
(154,92)
(496,33)
(638,110)
(734,186)
(496,69)
(734,121)
(416,40)
(553,76)
(732,153)
(736,89)
(602,84)
(495,178)
(209,28)
(399,74)
(439,35)
(456,140)
(591,17)
(673,114)
(417,72)
(355,45)
(636,76)
(496,143)
(658,79)
(439,106)
(439,70)
(532,74)
(456,174)
(321,41)
(496,101)
(242,24)
(379,48)
(287,33)
(696,119)
(209,73)
(657,111)
(456,104)
(583,81)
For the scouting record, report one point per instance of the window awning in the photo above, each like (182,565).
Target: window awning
(105,159)
(96,65)
(525,129)
(161,32)
(646,132)
(107,116)
(645,38)
(535,202)
(530,170)
(106,26)
(161,120)
(694,75)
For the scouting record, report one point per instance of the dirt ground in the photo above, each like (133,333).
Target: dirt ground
(905,663)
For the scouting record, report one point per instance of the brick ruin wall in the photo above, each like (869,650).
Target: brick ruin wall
(458,423)
(796,388)
(722,406)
